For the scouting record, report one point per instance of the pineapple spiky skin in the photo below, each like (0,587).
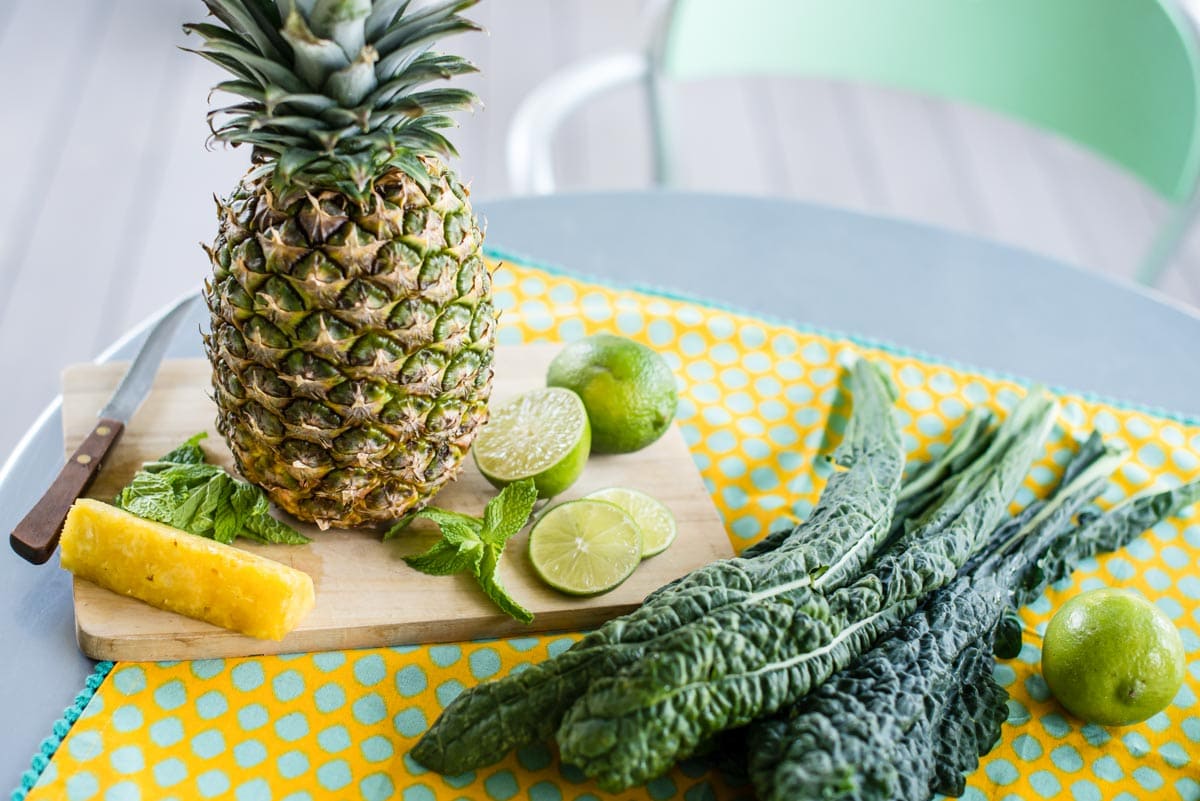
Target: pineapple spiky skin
(352,323)
(351,342)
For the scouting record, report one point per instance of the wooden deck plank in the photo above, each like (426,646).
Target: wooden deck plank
(7,12)
(48,107)
(1181,279)
(133,254)
(70,250)
(717,152)
(520,52)
(1013,186)
(1114,225)
(607,143)
(770,138)
(817,157)
(866,157)
(1191,283)
(182,215)
(920,176)
(479,127)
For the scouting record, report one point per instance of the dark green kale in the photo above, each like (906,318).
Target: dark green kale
(914,714)
(1102,533)
(727,668)
(927,484)
(866,733)
(918,708)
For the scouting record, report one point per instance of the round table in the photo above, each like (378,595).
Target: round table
(959,298)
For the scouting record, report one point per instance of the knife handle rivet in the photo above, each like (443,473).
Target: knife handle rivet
(83,458)
(103,431)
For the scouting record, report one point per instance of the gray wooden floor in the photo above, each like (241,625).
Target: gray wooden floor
(109,186)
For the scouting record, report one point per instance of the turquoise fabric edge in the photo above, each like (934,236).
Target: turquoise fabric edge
(60,729)
(71,714)
(866,342)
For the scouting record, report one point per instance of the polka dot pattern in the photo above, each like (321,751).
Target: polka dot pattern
(760,405)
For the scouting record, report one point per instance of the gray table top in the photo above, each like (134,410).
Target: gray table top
(949,295)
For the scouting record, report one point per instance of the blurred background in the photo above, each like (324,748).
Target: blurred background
(108,186)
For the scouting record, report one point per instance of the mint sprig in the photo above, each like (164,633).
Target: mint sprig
(475,544)
(183,491)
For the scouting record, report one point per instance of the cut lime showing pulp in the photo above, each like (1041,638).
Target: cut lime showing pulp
(655,520)
(543,435)
(585,547)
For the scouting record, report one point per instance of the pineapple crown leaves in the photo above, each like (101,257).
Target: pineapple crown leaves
(332,93)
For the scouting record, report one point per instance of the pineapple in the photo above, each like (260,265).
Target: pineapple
(352,329)
(183,573)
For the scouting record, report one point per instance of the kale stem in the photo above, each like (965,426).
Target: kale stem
(1055,514)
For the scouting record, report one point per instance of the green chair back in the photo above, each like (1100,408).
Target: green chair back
(1117,76)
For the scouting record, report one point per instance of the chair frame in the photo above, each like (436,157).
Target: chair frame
(529,148)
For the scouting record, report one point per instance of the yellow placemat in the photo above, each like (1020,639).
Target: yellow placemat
(756,407)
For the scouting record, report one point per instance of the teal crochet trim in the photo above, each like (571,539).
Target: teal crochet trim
(866,342)
(59,732)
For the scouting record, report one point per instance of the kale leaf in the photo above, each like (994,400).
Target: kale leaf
(875,742)
(739,663)
(866,732)
(920,707)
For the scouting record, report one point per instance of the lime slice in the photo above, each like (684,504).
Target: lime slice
(543,434)
(655,520)
(585,547)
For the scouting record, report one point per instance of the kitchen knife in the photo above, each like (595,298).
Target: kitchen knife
(36,537)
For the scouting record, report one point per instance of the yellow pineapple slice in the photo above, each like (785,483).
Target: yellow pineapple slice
(183,573)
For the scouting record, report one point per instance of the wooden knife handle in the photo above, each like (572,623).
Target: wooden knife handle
(36,537)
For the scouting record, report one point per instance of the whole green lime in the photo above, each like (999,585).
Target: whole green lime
(626,387)
(1112,657)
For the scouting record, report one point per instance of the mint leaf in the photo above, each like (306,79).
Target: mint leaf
(459,549)
(490,581)
(148,496)
(455,526)
(444,559)
(457,529)
(231,518)
(507,513)
(183,491)
(189,452)
(266,529)
(216,497)
(184,516)
(475,544)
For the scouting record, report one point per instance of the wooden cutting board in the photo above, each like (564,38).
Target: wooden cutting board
(366,595)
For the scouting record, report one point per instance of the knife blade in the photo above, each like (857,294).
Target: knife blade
(36,536)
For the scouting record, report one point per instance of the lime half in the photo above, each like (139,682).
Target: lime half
(655,520)
(543,434)
(585,547)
